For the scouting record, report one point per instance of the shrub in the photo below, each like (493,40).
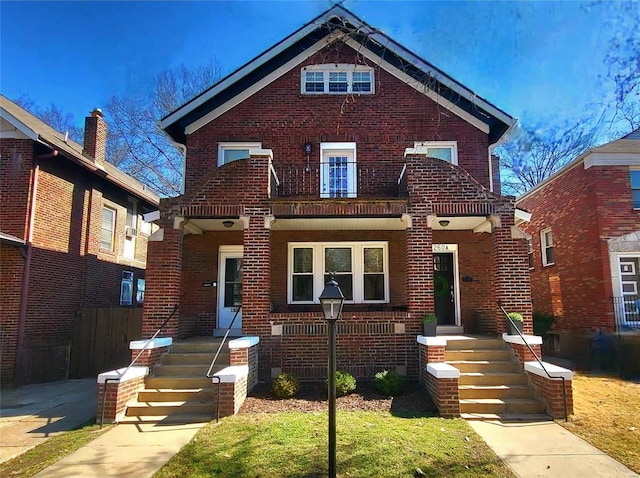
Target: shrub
(389,382)
(345,383)
(542,323)
(285,386)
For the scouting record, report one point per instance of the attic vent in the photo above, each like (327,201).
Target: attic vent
(337,79)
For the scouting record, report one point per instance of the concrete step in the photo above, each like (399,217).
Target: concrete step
(499,406)
(492,378)
(197,370)
(495,391)
(479,354)
(173,395)
(485,366)
(507,417)
(475,344)
(195,358)
(180,383)
(170,408)
(173,419)
(205,345)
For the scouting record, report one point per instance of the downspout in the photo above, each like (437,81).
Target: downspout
(20,350)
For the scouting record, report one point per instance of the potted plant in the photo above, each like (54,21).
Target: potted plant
(516,322)
(429,324)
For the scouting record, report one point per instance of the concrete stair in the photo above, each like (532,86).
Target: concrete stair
(180,392)
(492,384)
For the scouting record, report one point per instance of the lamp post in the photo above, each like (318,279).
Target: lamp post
(332,300)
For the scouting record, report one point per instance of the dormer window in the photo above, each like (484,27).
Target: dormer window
(337,79)
(228,152)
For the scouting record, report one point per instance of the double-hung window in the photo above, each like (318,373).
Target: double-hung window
(635,187)
(337,79)
(338,170)
(445,150)
(108,228)
(360,268)
(126,288)
(546,245)
(530,252)
(233,151)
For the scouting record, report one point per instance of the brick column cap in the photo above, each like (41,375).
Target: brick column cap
(152,344)
(516,339)
(432,341)
(120,376)
(243,342)
(443,370)
(555,371)
(232,374)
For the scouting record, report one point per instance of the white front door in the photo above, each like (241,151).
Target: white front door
(229,290)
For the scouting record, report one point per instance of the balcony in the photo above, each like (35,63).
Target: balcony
(337,180)
(627,312)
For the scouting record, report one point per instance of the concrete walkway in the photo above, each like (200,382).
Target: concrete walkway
(31,414)
(545,449)
(125,450)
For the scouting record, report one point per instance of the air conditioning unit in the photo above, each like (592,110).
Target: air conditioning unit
(130,232)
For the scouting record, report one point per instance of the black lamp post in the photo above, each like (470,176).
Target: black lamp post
(332,300)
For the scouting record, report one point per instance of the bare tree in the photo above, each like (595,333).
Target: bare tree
(53,116)
(136,144)
(532,155)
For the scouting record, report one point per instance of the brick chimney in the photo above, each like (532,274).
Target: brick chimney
(95,136)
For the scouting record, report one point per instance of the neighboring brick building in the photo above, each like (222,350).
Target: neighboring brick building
(585,241)
(321,155)
(71,236)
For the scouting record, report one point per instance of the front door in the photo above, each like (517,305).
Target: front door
(444,288)
(230,289)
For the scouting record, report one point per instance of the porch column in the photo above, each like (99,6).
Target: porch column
(419,267)
(512,286)
(256,273)
(162,282)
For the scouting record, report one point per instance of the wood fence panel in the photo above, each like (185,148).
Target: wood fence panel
(101,339)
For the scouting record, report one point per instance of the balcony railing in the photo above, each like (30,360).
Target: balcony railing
(370,179)
(627,312)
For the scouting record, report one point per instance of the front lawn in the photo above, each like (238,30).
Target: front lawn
(607,415)
(369,444)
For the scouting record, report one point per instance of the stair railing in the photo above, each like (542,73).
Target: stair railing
(564,390)
(146,344)
(215,357)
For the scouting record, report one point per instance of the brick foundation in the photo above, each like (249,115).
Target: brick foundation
(120,389)
(549,390)
(441,382)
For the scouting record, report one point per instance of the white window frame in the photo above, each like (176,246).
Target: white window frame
(631,172)
(423,147)
(530,254)
(328,68)
(544,246)
(235,145)
(348,150)
(112,244)
(357,262)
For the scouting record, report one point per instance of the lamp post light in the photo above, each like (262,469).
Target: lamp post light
(332,300)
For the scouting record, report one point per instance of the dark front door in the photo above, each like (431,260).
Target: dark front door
(443,288)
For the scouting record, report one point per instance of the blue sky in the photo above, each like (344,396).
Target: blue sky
(538,61)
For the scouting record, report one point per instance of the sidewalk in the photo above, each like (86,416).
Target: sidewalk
(545,449)
(31,414)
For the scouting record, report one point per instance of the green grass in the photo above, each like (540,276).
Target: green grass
(369,444)
(55,448)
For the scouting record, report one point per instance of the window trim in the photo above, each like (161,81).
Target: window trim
(530,253)
(235,145)
(327,68)
(352,169)
(357,262)
(112,245)
(422,147)
(544,246)
(631,172)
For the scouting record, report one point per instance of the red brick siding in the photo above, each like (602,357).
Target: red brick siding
(550,392)
(10,295)
(595,205)
(16,158)
(118,395)
(523,354)
(445,395)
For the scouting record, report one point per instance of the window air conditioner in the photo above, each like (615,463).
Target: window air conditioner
(130,232)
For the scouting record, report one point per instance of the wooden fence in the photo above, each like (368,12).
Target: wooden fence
(101,339)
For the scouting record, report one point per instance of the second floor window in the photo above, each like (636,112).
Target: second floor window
(233,151)
(107,232)
(337,79)
(635,187)
(338,170)
(445,150)
(546,243)
(530,253)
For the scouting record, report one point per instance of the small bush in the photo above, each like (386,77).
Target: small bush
(542,323)
(345,383)
(285,386)
(389,382)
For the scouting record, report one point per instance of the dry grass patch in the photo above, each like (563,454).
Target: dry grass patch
(607,415)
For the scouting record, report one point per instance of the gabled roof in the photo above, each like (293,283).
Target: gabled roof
(336,24)
(28,126)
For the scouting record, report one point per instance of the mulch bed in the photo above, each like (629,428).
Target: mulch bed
(312,397)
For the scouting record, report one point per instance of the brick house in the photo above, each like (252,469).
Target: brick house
(71,236)
(337,150)
(585,241)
